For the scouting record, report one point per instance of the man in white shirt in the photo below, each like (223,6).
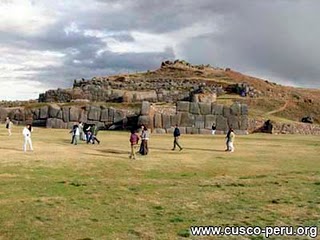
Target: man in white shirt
(27,137)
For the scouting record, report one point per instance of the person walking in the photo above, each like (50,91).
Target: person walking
(176,135)
(144,141)
(9,125)
(94,132)
(27,137)
(82,135)
(75,134)
(213,129)
(134,140)
(231,140)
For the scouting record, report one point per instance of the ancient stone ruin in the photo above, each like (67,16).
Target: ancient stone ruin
(191,117)
(197,118)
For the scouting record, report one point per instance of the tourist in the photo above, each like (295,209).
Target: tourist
(88,133)
(230,140)
(94,132)
(134,140)
(27,137)
(8,125)
(213,131)
(176,135)
(75,134)
(144,141)
(82,135)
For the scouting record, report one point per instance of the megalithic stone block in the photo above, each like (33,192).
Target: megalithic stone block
(216,109)
(187,120)
(222,123)
(233,122)
(166,123)
(44,112)
(145,120)
(158,120)
(104,115)
(209,120)
(194,108)
(183,106)
(235,109)
(226,111)
(74,114)
(94,113)
(205,108)
(244,109)
(111,114)
(199,121)
(175,119)
(54,109)
(145,108)
(65,114)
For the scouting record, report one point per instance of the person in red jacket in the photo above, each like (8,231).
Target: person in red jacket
(134,140)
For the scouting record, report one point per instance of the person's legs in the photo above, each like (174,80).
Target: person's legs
(231,147)
(141,149)
(72,139)
(146,150)
(227,143)
(177,142)
(174,144)
(28,142)
(76,138)
(96,139)
(9,131)
(133,151)
(25,144)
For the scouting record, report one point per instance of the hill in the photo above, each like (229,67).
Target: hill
(178,80)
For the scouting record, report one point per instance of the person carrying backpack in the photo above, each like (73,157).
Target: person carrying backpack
(176,135)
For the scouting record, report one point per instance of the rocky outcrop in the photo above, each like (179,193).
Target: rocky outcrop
(256,126)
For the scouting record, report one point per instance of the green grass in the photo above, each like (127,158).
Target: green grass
(61,191)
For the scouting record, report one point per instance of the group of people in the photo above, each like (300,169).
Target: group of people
(84,132)
(88,133)
(143,150)
(26,132)
(134,142)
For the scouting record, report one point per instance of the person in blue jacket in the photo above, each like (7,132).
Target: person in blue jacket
(176,135)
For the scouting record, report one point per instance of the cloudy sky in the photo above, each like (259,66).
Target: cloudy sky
(46,44)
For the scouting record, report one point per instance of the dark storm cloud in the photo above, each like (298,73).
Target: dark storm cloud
(276,39)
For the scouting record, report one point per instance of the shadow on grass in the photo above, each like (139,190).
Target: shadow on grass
(187,149)
(13,149)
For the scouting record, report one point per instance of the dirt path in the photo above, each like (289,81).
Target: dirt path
(279,109)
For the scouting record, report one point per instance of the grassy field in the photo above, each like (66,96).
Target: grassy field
(62,191)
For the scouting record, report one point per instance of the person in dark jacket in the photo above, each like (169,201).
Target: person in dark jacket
(144,141)
(176,135)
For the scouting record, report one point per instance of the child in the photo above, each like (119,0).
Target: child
(134,140)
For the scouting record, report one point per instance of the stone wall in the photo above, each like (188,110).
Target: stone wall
(197,118)
(192,117)
(55,116)
(129,89)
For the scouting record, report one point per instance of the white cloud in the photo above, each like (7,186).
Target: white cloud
(23,16)
(11,89)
